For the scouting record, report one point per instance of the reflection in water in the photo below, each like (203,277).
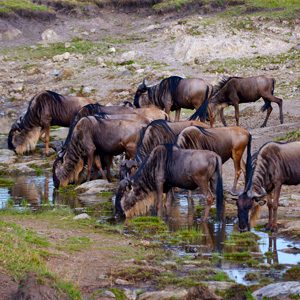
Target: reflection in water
(34,189)
(181,214)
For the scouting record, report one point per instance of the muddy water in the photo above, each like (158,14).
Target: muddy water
(39,190)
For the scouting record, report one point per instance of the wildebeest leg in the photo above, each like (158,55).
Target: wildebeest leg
(99,167)
(237,157)
(237,113)
(177,115)
(130,150)
(108,162)
(90,161)
(159,200)
(279,102)
(47,139)
(270,208)
(209,202)
(277,190)
(222,116)
(269,110)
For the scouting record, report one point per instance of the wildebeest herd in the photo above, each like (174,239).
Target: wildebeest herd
(161,155)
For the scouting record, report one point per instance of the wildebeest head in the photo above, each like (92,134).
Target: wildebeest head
(244,204)
(22,140)
(66,170)
(131,200)
(127,167)
(142,88)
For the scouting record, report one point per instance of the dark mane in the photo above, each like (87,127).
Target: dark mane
(145,173)
(221,84)
(57,97)
(145,147)
(191,140)
(87,110)
(254,162)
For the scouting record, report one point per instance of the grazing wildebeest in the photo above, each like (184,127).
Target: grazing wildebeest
(44,110)
(228,142)
(274,164)
(235,90)
(174,93)
(92,136)
(167,167)
(156,133)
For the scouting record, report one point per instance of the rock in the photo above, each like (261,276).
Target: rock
(122,282)
(99,60)
(93,30)
(33,71)
(10,34)
(291,226)
(201,292)
(295,197)
(49,36)
(82,217)
(67,45)
(55,72)
(87,89)
(109,294)
(112,50)
(95,187)
(32,288)
(278,290)
(130,295)
(292,250)
(219,285)
(61,57)
(7,157)
(65,74)
(17,87)
(284,202)
(127,56)
(164,295)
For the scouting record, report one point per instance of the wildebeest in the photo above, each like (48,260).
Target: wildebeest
(274,164)
(167,167)
(160,132)
(92,136)
(174,93)
(235,90)
(228,142)
(44,110)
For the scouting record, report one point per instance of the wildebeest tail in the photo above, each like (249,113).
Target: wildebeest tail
(265,106)
(201,112)
(219,189)
(273,85)
(249,161)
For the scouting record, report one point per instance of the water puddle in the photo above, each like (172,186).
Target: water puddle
(39,190)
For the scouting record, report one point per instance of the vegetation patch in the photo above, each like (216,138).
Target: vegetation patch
(23,251)
(74,243)
(17,6)
(290,136)
(237,256)
(237,292)
(292,274)
(147,226)
(6,182)
(242,239)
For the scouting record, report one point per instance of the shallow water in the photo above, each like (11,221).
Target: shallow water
(39,190)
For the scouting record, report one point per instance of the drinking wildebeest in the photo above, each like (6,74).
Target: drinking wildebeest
(167,167)
(156,133)
(235,90)
(44,110)
(92,136)
(228,142)
(174,93)
(274,164)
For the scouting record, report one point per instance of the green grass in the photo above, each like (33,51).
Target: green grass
(45,52)
(292,274)
(232,64)
(23,251)
(74,243)
(237,256)
(9,6)
(6,182)
(170,5)
(290,136)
